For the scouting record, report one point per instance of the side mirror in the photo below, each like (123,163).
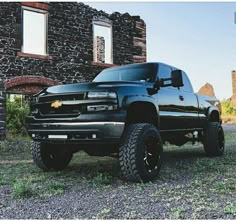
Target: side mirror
(176,78)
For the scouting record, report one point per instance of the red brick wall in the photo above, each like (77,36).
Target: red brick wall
(28,84)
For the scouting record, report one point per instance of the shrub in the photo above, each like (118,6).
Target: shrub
(16,113)
(227,108)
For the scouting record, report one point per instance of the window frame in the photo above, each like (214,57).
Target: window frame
(40,11)
(106,24)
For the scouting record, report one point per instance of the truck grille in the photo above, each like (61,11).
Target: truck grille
(70,97)
(68,110)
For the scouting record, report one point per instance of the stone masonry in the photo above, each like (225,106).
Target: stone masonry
(233,98)
(70,45)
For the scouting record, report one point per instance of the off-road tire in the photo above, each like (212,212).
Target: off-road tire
(50,156)
(133,150)
(213,140)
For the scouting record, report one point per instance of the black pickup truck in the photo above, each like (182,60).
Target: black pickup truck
(128,112)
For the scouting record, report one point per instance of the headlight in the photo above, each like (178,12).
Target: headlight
(102,95)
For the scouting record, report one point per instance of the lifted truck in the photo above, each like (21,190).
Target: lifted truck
(129,111)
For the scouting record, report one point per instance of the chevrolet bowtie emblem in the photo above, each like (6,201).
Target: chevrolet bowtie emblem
(56,104)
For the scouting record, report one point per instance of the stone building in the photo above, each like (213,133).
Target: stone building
(207,90)
(233,98)
(44,44)
(99,49)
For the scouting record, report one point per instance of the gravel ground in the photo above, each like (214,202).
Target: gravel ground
(229,127)
(190,186)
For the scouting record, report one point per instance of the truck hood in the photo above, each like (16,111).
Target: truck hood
(90,86)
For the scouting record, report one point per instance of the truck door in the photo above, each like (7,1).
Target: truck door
(190,108)
(170,102)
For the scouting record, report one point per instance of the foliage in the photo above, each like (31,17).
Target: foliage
(101,179)
(16,114)
(21,189)
(227,108)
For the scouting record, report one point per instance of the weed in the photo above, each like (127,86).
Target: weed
(230,209)
(103,214)
(55,188)
(101,179)
(177,213)
(226,186)
(21,189)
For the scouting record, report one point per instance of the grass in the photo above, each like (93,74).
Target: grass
(177,213)
(21,189)
(190,184)
(103,214)
(100,179)
(230,209)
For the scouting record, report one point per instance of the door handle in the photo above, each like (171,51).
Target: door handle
(181,98)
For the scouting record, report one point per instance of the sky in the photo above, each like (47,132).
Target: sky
(199,38)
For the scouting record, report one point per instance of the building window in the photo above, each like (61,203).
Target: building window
(34,31)
(102,41)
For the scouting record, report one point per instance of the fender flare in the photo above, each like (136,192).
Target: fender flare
(128,101)
(212,109)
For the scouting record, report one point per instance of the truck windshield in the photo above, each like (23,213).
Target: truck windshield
(136,72)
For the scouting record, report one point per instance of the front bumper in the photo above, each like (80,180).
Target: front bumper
(77,132)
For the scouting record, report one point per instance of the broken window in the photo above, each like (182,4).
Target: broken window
(102,42)
(34,31)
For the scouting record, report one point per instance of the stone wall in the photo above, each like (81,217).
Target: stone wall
(139,41)
(70,43)
(233,98)
(70,47)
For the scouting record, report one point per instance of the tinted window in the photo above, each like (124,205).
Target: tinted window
(164,71)
(187,84)
(140,72)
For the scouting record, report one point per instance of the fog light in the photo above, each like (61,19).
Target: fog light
(33,135)
(94,136)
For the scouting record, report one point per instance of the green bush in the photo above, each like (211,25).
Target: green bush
(227,108)
(16,114)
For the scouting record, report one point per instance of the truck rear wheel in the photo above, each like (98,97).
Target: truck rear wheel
(50,156)
(214,140)
(140,154)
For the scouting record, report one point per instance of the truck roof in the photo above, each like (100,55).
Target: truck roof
(138,64)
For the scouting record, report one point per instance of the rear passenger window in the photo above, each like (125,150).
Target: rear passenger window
(187,87)
(164,71)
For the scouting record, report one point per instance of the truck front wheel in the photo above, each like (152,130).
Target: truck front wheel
(50,156)
(214,140)
(140,154)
